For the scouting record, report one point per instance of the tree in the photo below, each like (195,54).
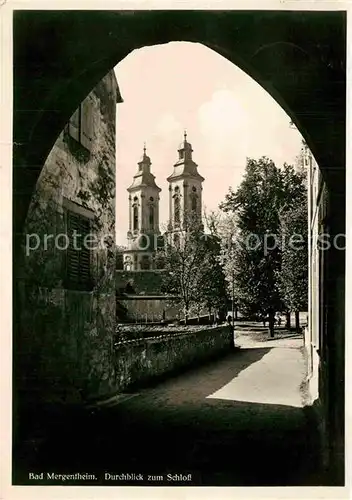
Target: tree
(293,276)
(263,194)
(183,258)
(223,226)
(212,293)
(295,197)
(192,271)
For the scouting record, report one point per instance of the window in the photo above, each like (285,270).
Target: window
(194,203)
(128,264)
(80,126)
(145,263)
(78,252)
(177,210)
(135,218)
(151,217)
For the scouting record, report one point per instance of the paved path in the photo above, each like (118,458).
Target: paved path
(238,421)
(275,379)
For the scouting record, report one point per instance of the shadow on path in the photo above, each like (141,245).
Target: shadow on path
(173,428)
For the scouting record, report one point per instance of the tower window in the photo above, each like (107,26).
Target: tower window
(145,262)
(135,218)
(194,204)
(151,217)
(177,210)
(128,263)
(194,189)
(151,199)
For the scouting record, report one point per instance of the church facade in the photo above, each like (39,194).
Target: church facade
(144,237)
(143,232)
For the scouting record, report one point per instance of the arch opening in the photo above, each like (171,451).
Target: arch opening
(312,72)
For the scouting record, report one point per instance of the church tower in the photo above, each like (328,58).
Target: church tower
(143,218)
(185,191)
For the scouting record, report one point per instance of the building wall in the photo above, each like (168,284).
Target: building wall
(185,191)
(324,337)
(151,309)
(312,339)
(66,331)
(139,282)
(142,200)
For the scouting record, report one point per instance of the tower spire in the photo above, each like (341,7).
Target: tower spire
(185,135)
(144,149)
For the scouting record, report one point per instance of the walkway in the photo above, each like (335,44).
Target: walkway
(237,422)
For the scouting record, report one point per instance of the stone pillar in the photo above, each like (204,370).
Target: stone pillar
(130,212)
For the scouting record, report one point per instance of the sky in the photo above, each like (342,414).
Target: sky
(228,116)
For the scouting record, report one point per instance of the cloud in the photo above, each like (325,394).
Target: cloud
(222,115)
(167,126)
(223,123)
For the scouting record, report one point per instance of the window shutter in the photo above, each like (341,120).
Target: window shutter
(79,258)
(87,124)
(73,125)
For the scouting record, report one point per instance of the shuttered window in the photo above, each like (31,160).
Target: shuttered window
(86,124)
(80,126)
(73,126)
(78,256)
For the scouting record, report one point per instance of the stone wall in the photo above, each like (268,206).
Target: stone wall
(147,282)
(150,309)
(63,349)
(144,309)
(141,361)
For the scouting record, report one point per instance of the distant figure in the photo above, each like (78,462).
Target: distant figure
(229,320)
(217,320)
(264,319)
(278,319)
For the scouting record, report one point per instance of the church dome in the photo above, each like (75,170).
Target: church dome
(144,158)
(185,144)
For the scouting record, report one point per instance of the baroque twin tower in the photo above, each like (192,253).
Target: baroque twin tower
(185,203)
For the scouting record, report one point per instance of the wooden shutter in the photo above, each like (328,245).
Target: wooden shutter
(73,125)
(79,258)
(87,124)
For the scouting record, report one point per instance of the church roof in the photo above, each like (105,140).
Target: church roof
(144,177)
(185,169)
(185,166)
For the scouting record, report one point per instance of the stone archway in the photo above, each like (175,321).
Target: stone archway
(298,57)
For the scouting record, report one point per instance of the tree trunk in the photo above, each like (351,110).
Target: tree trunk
(288,320)
(186,315)
(236,313)
(271,323)
(297,320)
